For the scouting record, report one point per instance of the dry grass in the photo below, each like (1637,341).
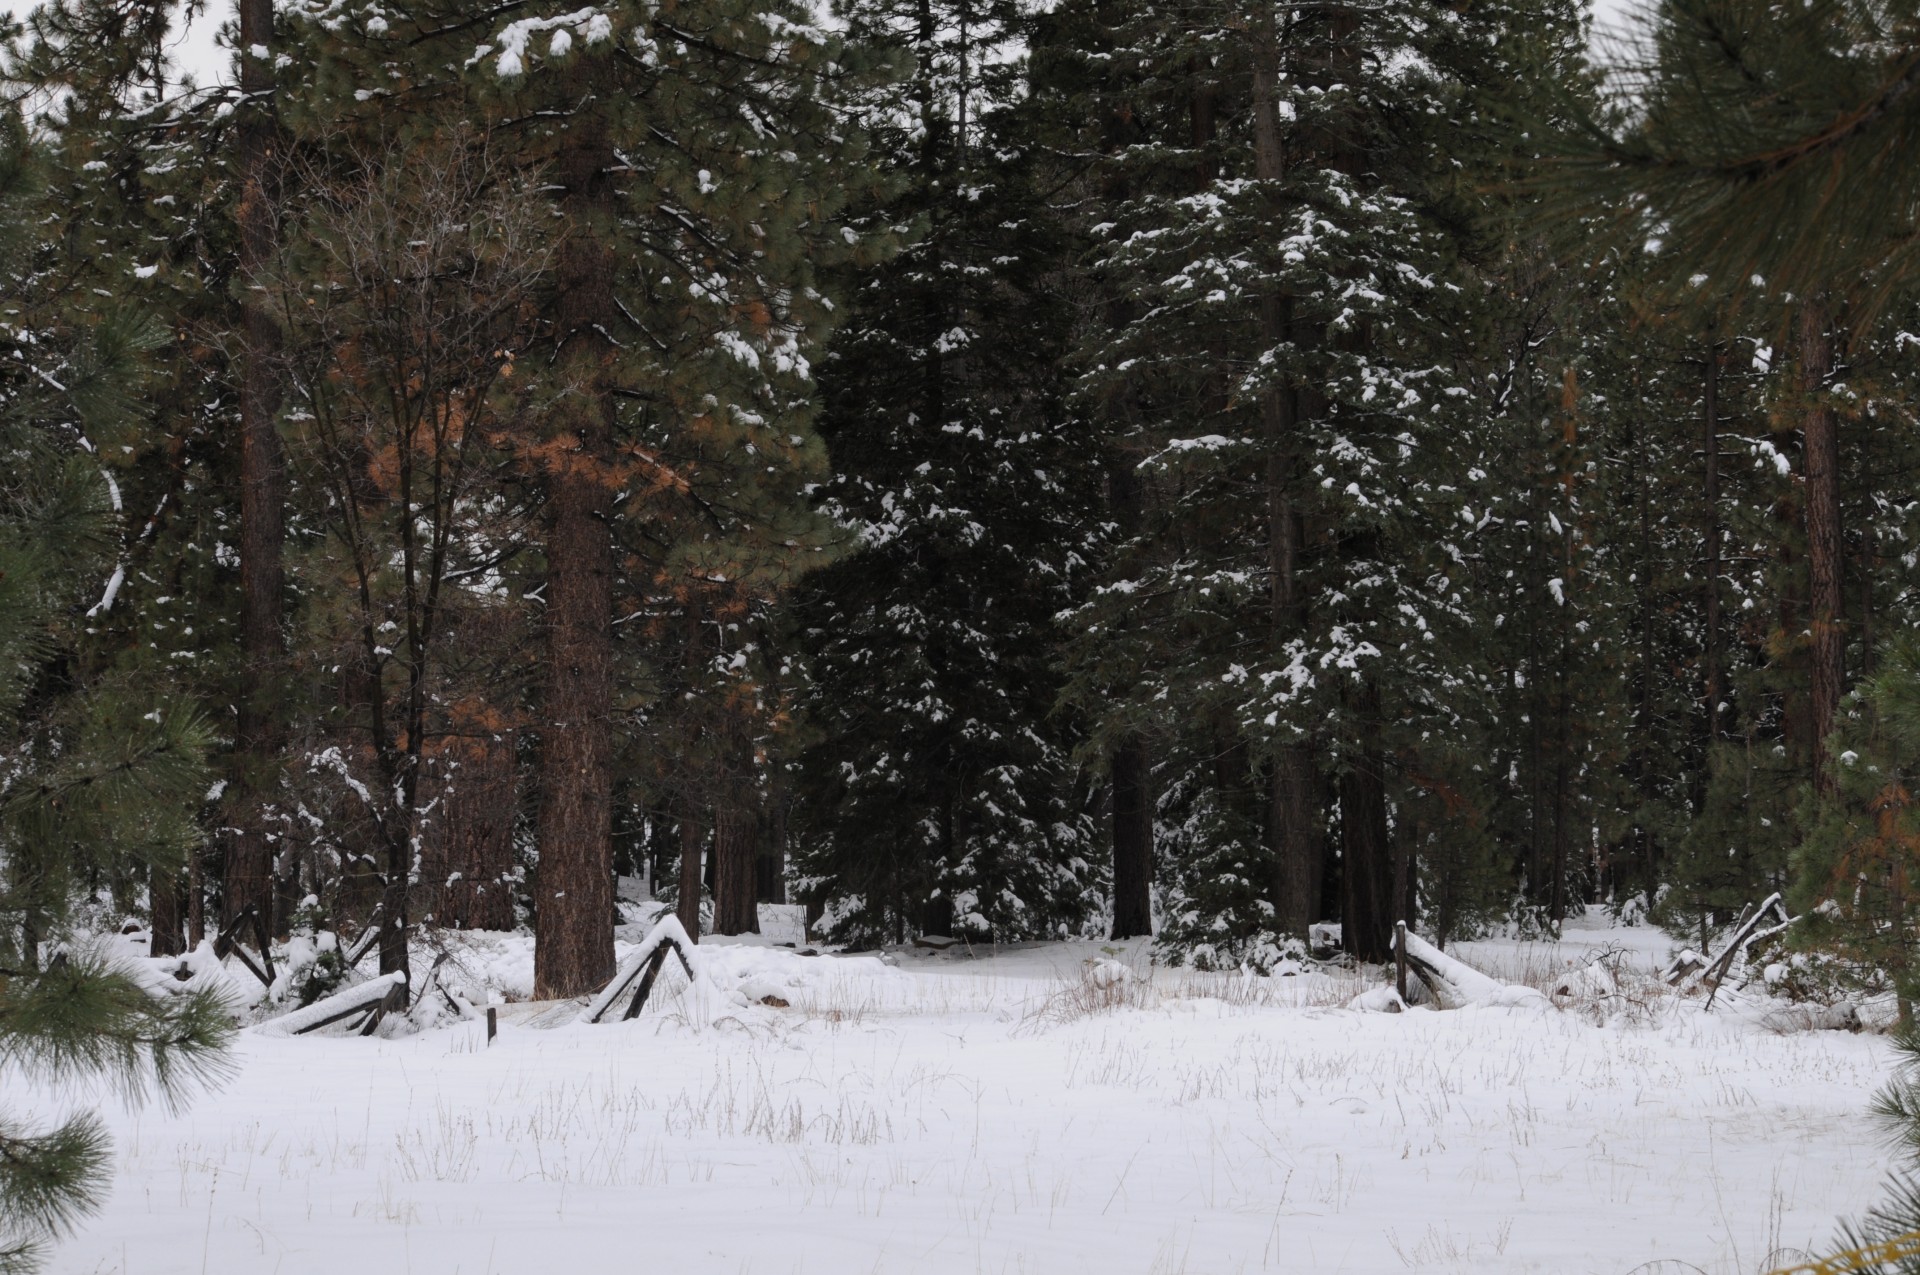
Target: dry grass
(1101,987)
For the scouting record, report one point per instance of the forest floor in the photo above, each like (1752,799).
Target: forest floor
(1001,1111)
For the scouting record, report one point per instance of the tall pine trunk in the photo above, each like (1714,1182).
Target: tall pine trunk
(687,899)
(1132,770)
(263,488)
(1825,549)
(736,842)
(1290,808)
(168,923)
(573,946)
(1711,658)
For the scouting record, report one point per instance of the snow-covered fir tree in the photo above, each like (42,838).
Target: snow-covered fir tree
(1284,376)
(939,793)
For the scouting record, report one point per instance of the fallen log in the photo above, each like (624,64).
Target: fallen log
(1456,985)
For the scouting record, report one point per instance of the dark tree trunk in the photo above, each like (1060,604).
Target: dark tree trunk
(1711,659)
(936,905)
(936,914)
(1131,764)
(467,856)
(168,924)
(687,899)
(573,948)
(395,913)
(1293,832)
(1406,869)
(1323,881)
(196,898)
(1562,798)
(1367,860)
(735,827)
(1203,106)
(1290,823)
(1540,745)
(1132,840)
(1825,549)
(248,879)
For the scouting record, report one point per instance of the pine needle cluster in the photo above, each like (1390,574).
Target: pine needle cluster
(99,778)
(1764,147)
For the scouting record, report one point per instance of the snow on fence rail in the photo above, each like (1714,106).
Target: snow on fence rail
(642,966)
(371,1000)
(1690,969)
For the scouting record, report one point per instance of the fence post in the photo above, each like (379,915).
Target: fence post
(1400,959)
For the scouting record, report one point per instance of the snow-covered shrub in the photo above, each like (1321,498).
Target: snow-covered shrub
(1101,986)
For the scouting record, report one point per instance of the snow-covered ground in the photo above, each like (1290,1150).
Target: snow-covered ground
(1005,1112)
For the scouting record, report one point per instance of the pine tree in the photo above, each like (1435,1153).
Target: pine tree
(402,303)
(1764,156)
(1766,141)
(1857,863)
(940,795)
(101,781)
(125,161)
(698,163)
(1282,371)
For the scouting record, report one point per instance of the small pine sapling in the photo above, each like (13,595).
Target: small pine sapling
(1858,868)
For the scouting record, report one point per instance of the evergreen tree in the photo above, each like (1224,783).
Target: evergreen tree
(1856,866)
(131,161)
(403,301)
(698,162)
(940,795)
(1763,155)
(1284,372)
(101,780)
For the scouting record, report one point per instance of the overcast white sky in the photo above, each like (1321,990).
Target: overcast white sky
(196,51)
(1610,13)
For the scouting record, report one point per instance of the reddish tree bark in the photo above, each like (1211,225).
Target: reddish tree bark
(1825,552)
(257,734)
(735,827)
(573,944)
(687,899)
(168,924)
